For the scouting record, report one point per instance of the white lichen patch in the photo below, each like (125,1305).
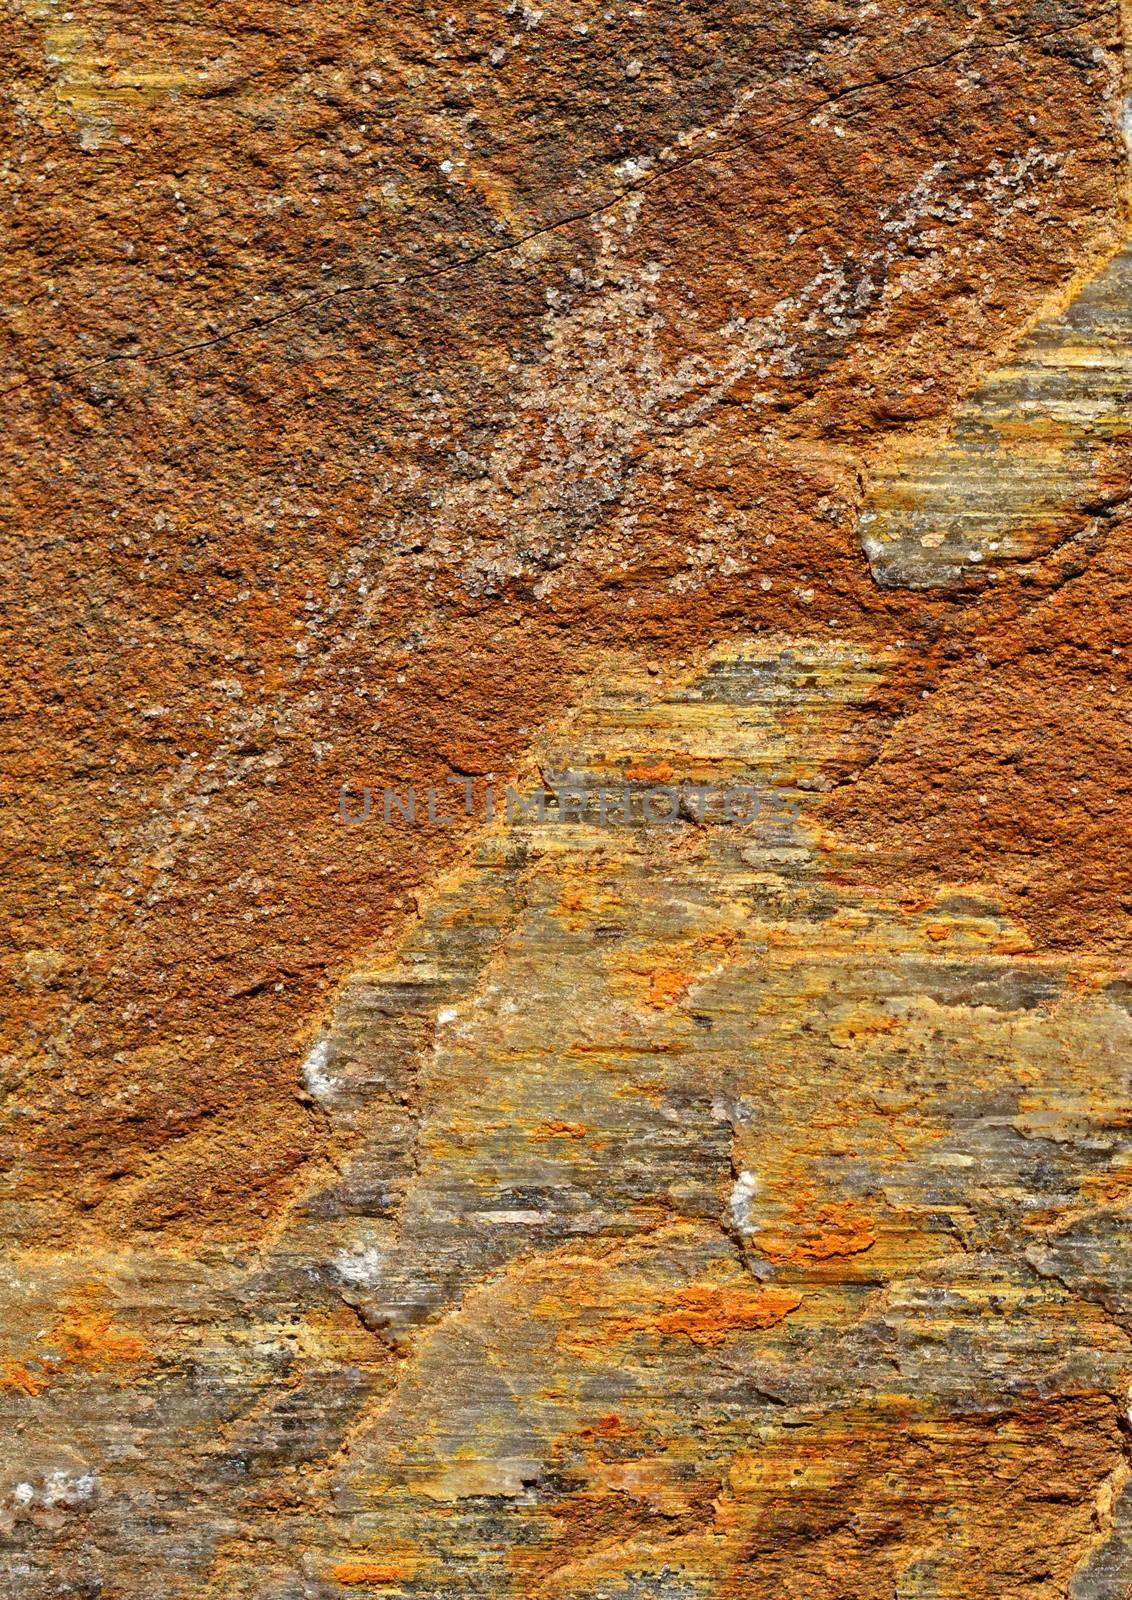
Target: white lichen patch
(743,1193)
(361,1268)
(316,1079)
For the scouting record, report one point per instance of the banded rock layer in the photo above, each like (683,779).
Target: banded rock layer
(1038,449)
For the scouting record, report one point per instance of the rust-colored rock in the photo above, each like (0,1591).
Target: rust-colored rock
(672,1197)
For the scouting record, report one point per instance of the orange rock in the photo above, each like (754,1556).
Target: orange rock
(707,1314)
(366,1574)
(835,1231)
(660,772)
(16,1378)
(667,985)
(559,1130)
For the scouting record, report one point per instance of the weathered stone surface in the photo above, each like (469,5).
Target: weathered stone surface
(602,1207)
(1039,448)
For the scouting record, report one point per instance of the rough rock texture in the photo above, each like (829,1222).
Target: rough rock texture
(601,1207)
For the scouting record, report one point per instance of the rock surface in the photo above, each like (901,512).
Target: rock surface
(679,1195)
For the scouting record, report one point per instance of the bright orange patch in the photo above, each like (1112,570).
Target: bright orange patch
(16,1378)
(365,1573)
(89,1341)
(661,772)
(706,1313)
(86,1338)
(559,1130)
(667,985)
(834,1231)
